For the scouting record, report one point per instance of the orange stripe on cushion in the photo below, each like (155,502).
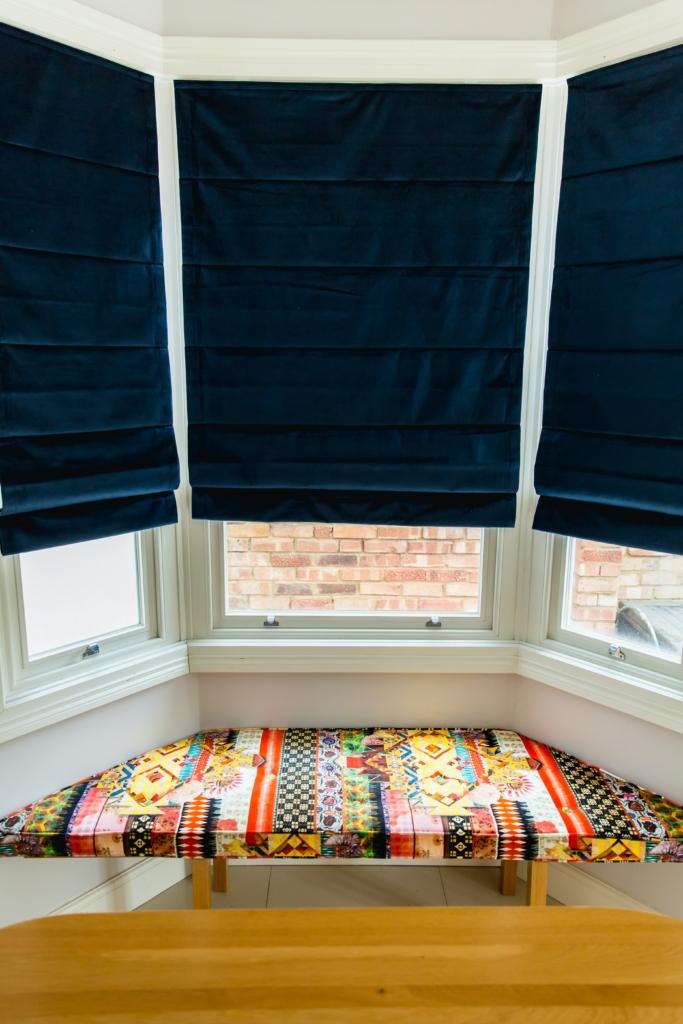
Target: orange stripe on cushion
(265,787)
(576,822)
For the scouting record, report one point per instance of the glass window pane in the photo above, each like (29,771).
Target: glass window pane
(316,567)
(79,592)
(626,595)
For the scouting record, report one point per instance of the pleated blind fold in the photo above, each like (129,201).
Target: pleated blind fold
(355,284)
(86,439)
(610,461)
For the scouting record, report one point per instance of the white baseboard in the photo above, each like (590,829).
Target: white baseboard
(136,885)
(131,888)
(359,862)
(573,887)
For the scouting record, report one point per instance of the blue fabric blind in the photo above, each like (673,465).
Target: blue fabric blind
(355,281)
(610,461)
(86,439)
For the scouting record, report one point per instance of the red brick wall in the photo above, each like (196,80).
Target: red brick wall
(310,566)
(605,574)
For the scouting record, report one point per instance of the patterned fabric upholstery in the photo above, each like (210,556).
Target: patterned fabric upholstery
(419,793)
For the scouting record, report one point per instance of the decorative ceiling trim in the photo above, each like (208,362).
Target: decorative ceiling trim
(644,31)
(67,21)
(350,60)
(360,60)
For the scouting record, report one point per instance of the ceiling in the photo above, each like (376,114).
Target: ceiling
(369,19)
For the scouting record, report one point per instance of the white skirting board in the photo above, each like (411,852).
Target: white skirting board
(575,888)
(131,888)
(147,878)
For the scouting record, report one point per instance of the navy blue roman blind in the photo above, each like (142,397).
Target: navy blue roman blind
(355,282)
(610,461)
(86,440)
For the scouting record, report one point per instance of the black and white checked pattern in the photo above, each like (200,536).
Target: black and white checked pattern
(295,800)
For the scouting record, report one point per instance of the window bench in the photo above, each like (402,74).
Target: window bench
(425,794)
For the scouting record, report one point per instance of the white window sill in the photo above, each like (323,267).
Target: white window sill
(115,675)
(649,695)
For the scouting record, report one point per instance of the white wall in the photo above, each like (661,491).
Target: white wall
(643,753)
(46,760)
(354,699)
(638,751)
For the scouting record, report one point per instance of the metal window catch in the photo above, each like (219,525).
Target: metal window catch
(90,650)
(616,652)
(434,622)
(271,622)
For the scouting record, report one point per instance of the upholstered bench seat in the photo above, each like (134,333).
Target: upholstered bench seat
(449,794)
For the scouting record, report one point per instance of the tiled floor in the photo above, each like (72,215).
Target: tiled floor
(339,885)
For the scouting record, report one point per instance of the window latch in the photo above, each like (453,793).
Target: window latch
(90,650)
(434,622)
(271,622)
(616,652)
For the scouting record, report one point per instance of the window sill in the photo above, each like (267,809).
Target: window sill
(352,651)
(648,695)
(116,675)
(652,696)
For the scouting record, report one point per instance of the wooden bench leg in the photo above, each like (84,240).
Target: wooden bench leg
(201,884)
(536,883)
(508,877)
(221,879)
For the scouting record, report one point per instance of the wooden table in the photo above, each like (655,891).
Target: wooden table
(516,965)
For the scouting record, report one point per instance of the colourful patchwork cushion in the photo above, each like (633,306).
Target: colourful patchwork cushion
(420,793)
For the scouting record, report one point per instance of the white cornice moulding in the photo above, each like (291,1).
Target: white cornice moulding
(644,31)
(350,60)
(74,24)
(137,671)
(360,60)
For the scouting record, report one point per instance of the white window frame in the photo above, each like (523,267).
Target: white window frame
(477,624)
(31,674)
(222,624)
(186,558)
(51,685)
(636,657)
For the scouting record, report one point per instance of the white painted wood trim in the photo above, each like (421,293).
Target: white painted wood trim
(647,695)
(366,60)
(652,28)
(74,24)
(641,693)
(169,191)
(544,228)
(151,876)
(131,888)
(571,886)
(360,60)
(315,654)
(136,669)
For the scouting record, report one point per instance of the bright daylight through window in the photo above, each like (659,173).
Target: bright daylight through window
(316,567)
(80,592)
(626,595)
